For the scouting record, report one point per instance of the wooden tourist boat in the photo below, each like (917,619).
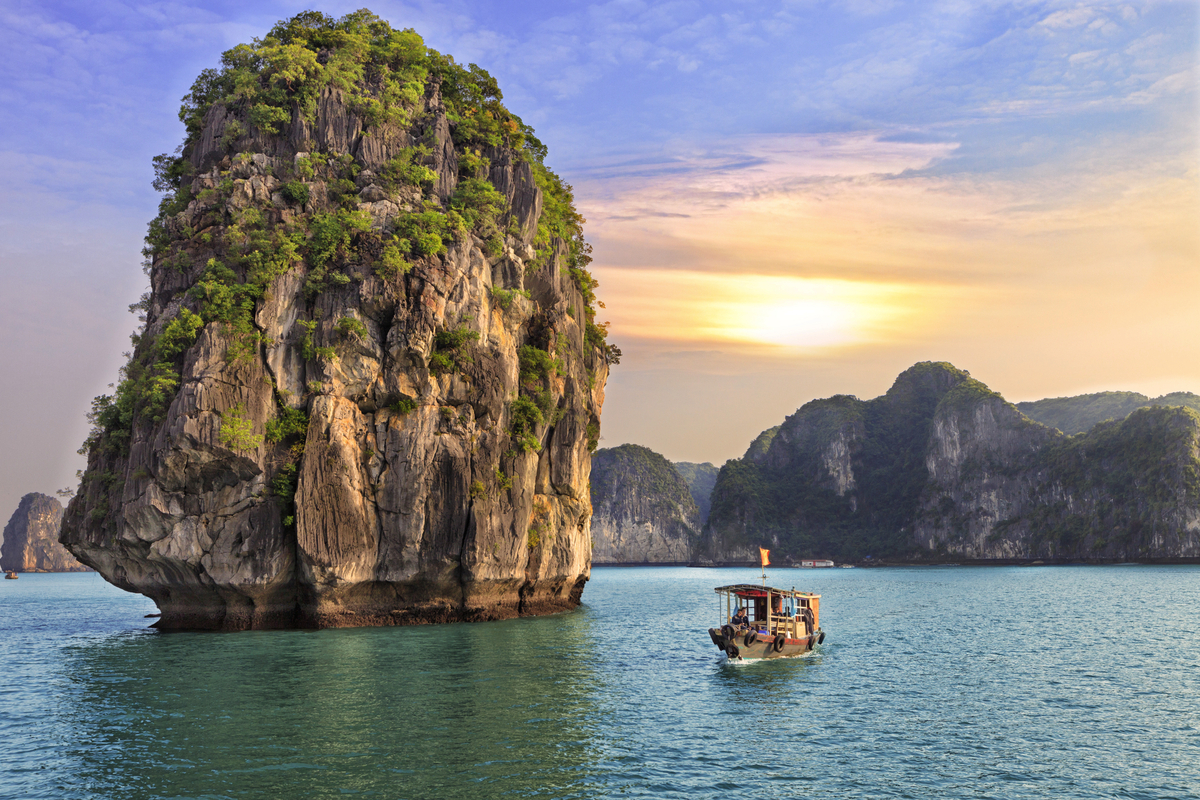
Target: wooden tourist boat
(10,576)
(775,623)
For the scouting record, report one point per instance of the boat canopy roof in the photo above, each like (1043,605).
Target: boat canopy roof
(750,590)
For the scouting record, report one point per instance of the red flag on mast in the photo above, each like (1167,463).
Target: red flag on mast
(765,556)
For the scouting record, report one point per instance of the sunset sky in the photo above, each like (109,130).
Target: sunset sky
(786,200)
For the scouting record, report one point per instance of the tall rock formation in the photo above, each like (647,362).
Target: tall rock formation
(700,480)
(941,466)
(369,379)
(31,538)
(642,510)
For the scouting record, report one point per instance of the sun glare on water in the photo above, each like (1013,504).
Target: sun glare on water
(780,311)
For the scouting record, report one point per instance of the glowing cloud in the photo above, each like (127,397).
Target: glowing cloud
(787,313)
(835,259)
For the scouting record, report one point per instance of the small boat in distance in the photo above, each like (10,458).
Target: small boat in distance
(763,622)
(815,563)
(11,575)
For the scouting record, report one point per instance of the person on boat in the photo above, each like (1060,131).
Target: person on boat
(739,617)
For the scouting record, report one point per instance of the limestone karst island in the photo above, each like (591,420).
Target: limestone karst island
(30,539)
(370,378)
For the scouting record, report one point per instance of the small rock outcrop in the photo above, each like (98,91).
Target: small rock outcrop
(31,538)
(943,467)
(642,510)
(370,379)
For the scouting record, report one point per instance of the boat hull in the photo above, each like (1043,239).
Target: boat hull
(745,644)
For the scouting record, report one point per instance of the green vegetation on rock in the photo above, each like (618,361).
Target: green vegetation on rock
(642,510)
(269,86)
(651,475)
(237,431)
(1082,412)
(1123,472)
(761,443)
(450,350)
(779,490)
(291,422)
(148,384)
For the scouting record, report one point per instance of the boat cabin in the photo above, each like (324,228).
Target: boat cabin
(769,610)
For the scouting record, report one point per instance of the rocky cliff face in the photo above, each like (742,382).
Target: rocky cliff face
(941,466)
(369,380)
(700,480)
(1125,490)
(31,538)
(642,510)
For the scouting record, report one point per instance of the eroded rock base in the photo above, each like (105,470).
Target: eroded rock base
(366,605)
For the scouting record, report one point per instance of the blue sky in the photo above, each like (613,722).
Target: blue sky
(1010,186)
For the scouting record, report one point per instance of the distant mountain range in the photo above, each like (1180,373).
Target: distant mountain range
(1083,412)
(642,510)
(645,509)
(939,467)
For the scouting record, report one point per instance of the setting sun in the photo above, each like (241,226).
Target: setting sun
(780,311)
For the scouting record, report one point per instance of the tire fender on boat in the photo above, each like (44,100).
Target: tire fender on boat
(728,632)
(732,651)
(750,638)
(778,642)
(821,638)
(716,637)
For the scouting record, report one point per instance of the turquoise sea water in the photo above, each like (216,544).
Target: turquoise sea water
(1053,682)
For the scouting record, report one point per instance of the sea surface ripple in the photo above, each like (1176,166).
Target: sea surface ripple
(1047,682)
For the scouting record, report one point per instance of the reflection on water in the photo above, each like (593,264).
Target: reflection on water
(973,683)
(451,711)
